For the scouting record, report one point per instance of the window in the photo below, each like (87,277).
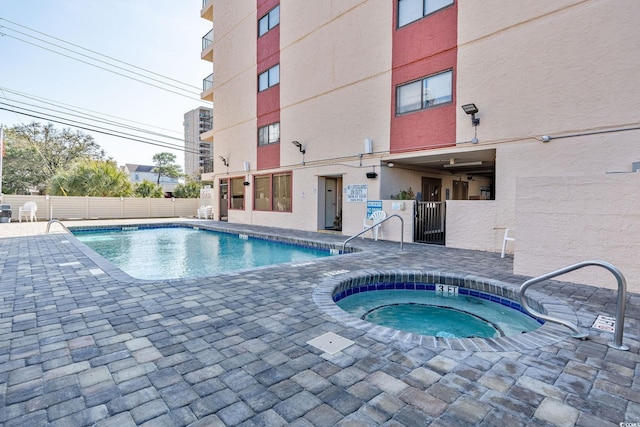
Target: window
(237,193)
(412,10)
(269,21)
(282,192)
(424,93)
(272,192)
(269,134)
(269,78)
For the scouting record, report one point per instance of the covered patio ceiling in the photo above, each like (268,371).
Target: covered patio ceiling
(476,162)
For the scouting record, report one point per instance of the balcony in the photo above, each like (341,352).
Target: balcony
(207,88)
(207,47)
(207,136)
(207,10)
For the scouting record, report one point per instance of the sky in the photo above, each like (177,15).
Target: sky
(161,36)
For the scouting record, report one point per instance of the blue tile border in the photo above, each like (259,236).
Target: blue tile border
(431,287)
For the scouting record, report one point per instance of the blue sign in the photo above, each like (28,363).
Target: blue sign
(372,206)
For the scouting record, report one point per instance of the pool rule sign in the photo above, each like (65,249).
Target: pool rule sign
(356,193)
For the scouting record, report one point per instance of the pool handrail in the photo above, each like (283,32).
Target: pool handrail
(344,245)
(51,221)
(620,306)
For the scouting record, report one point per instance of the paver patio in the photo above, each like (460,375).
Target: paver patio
(83,344)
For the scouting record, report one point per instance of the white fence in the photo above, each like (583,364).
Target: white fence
(61,207)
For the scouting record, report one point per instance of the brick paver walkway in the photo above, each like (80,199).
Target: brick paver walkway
(82,344)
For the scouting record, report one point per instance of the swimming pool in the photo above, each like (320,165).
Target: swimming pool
(178,251)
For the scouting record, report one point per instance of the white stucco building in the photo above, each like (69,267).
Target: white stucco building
(324,107)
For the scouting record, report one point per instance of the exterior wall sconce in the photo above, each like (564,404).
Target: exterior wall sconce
(302,150)
(246,183)
(471,109)
(225,162)
(297,144)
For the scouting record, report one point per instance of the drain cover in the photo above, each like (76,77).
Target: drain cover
(330,343)
(605,323)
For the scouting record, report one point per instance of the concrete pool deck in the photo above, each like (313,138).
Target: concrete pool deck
(83,345)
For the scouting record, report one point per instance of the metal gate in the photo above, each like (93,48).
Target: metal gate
(429,223)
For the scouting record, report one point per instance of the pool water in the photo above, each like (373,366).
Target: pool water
(177,252)
(440,315)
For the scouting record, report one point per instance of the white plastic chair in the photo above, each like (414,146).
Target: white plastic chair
(29,210)
(507,238)
(205,212)
(377,217)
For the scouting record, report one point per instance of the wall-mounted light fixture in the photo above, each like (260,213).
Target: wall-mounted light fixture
(302,150)
(297,144)
(452,164)
(471,109)
(246,183)
(372,175)
(225,162)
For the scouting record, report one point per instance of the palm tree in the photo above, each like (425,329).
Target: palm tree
(91,178)
(147,188)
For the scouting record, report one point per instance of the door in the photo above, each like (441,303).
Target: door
(430,214)
(460,190)
(224,200)
(330,203)
(431,189)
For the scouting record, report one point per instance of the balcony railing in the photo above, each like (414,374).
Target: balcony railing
(207,39)
(207,83)
(205,2)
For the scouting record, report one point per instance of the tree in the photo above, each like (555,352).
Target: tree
(190,190)
(147,188)
(165,166)
(91,178)
(36,152)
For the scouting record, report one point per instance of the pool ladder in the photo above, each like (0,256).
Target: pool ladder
(344,245)
(620,306)
(52,221)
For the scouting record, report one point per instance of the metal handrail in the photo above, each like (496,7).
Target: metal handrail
(51,221)
(344,245)
(620,306)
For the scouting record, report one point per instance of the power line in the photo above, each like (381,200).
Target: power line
(98,53)
(98,119)
(98,60)
(77,109)
(104,132)
(102,68)
(179,147)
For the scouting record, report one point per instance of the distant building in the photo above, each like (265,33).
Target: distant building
(138,173)
(198,155)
